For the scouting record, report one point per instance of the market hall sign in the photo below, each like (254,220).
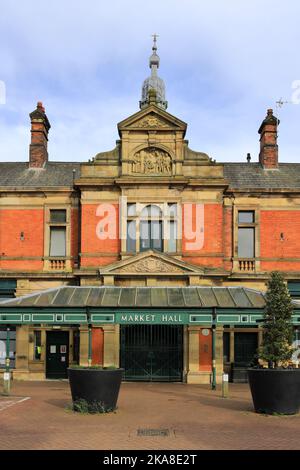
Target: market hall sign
(169,318)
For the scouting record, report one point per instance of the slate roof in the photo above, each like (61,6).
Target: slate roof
(141,297)
(57,174)
(239,175)
(253,176)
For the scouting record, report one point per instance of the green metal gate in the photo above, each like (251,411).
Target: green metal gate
(245,346)
(152,353)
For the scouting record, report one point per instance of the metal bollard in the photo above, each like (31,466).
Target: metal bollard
(225,386)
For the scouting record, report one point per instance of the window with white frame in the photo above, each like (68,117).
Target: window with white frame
(4,332)
(58,228)
(246,234)
(152,227)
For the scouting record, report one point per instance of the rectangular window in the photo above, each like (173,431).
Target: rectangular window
(294,289)
(246,234)
(173,237)
(57,241)
(151,235)
(131,237)
(246,217)
(58,216)
(156,235)
(7,289)
(37,345)
(246,242)
(145,235)
(12,347)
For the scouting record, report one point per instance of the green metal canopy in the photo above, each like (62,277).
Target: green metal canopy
(129,305)
(141,297)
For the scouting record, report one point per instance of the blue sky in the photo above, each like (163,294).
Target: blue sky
(223,62)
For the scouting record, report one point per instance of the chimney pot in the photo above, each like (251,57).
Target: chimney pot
(268,156)
(40,125)
(40,106)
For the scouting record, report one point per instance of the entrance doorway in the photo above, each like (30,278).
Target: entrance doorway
(245,347)
(57,354)
(152,353)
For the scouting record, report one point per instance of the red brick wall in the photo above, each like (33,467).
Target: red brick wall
(272,224)
(227,234)
(12,223)
(90,242)
(213,237)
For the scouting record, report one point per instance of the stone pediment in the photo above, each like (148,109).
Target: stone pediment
(151,262)
(152,118)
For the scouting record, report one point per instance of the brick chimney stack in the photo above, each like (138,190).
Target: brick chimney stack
(268,156)
(38,152)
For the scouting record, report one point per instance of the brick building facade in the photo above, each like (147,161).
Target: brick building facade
(150,214)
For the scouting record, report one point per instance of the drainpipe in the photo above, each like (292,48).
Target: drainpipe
(88,314)
(6,382)
(214,321)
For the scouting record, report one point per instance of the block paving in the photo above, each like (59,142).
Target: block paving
(150,416)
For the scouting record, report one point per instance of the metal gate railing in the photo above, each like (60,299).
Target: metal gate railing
(152,353)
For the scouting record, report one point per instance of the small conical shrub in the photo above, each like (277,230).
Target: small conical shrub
(278,329)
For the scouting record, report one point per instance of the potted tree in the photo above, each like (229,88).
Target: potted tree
(275,388)
(94,389)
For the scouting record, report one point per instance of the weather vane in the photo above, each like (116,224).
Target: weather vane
(280,103)
(155,36)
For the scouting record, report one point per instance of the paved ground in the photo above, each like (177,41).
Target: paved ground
(194,416)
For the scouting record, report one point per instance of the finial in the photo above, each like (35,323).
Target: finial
(153,83)
(154,59)
(154,47)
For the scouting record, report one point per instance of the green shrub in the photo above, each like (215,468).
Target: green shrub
(278,328)
(84,407)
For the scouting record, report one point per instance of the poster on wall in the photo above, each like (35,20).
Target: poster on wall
(2,352)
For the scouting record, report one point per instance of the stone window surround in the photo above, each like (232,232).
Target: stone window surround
(139,208)
(256,225)
(65,261)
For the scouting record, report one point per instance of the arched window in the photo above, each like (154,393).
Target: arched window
(151,227)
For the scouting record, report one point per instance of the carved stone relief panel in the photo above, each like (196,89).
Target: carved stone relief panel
(152,122)
(150,265)
(152,160)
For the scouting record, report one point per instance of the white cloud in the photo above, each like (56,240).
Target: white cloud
(224,64)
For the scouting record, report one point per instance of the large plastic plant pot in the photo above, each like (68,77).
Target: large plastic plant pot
(99,388)
(275,390)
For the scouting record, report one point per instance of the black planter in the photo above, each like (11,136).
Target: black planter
(275,390)
(99,388)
